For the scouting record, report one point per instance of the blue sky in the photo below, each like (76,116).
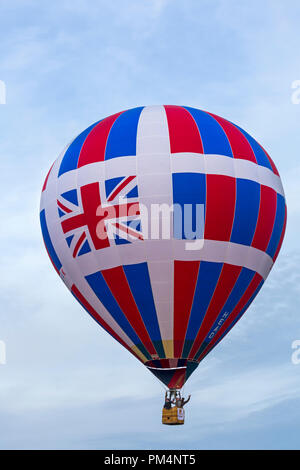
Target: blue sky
(67,64)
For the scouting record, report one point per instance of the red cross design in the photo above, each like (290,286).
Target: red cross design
(95,215)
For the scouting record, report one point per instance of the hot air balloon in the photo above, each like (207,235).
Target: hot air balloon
(169,298)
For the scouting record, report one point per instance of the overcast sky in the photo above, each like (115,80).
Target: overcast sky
(67,64)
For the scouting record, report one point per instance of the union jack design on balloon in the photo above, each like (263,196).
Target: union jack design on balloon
(167,305)
(87,218)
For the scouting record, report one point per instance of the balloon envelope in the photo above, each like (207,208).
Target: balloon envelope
(164,222)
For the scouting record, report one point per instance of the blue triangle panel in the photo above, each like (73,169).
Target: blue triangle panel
(134,224)
(120,241)
(84,249)
(111,184)
(133,192)
(71,196)
(69,240)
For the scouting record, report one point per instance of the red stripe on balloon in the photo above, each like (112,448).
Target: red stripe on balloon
(98,319)
(239,144)
(185,279)
(178,379)
(93,149)
(78,244)
(234,314)
(120,187)
(226,282)
(46,180)
(266,218)
(220,207)
(119,287)
(64,208)
(183,131)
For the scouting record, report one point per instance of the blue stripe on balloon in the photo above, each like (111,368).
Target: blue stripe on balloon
(139,282)
(71,156)
(48,242)
(213,137)
(278,226)
(241,285)
(259,152)
(208,277)
(122,137)
(188,188)
(102,291)
(246,211)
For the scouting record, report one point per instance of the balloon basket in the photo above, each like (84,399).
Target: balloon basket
(173,416)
